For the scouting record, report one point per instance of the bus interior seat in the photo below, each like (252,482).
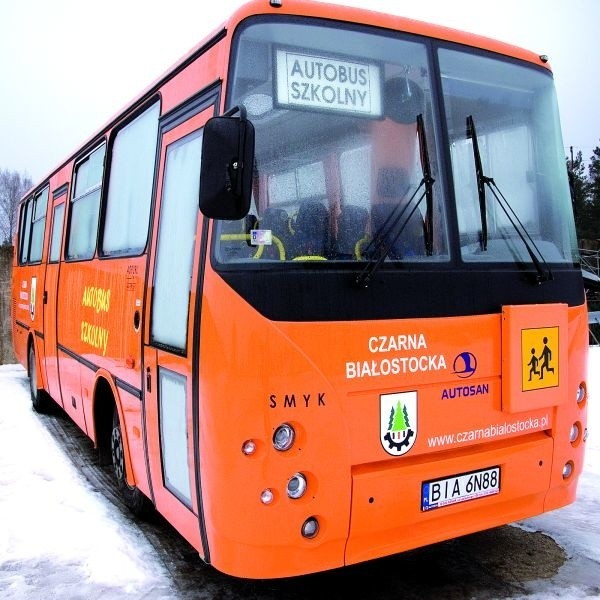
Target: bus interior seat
(311,230)
(410,242)
(393,186)
(352,227)
(392,182)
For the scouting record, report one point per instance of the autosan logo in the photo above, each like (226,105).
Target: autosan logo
(465,365)
(398,422)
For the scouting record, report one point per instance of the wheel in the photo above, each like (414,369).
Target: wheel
(135,501)
(38,398)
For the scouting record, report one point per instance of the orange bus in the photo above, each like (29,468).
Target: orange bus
(316,291)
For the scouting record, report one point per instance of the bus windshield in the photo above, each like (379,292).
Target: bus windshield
(339,165)
(521,148)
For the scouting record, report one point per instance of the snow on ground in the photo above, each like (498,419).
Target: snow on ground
(576,527)
(60,538)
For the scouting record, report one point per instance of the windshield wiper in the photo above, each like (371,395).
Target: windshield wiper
(428,180)
(380,246)
(543,270)
(482,180)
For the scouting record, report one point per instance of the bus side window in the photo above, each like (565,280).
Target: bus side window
(176,242)
(85,205)
(125,226)
(38,226)
(57,225)
(25,232)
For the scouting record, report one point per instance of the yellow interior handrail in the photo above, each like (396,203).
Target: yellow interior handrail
(245,237)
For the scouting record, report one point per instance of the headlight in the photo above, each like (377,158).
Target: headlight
(574,433)
(310,528)
(581,393)
(567,470)
(249,447)
(283,438)
(266,496)
(296,486)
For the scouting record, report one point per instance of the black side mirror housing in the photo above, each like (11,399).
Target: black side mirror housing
(227,165)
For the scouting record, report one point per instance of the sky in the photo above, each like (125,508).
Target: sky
(59,533)
(66,66)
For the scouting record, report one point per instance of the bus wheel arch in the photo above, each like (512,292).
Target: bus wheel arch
(39,400)
(112,443)
(104,406)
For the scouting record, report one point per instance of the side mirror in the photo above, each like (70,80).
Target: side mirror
(227,164)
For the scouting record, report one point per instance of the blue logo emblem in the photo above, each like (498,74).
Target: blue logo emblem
(465,364)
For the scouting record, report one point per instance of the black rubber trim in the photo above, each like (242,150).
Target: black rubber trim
(324,294)
(60,191)
(193,105)
(84,361)
(130,389)
(196,387)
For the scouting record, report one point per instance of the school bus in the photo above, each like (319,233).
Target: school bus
(315,293)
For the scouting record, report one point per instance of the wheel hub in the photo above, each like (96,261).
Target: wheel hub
(117,453)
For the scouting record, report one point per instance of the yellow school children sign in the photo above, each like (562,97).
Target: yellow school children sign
(539,355)
(535,357)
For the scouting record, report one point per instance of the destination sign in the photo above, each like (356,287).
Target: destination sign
(317,82)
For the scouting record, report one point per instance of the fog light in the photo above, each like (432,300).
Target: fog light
(581,393)
(574,433)
(283,438)
(266,496)
(567,470)
(248,447)
(296,486)
(310,528)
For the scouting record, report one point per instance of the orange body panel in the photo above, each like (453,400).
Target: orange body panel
(298,373)
(386,515)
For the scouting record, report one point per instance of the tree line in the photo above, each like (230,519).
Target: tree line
(585,193)
(13,185)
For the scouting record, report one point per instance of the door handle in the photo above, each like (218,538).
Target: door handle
(148,380)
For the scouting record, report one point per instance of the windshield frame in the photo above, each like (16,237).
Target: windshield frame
(440,46)
(441,146)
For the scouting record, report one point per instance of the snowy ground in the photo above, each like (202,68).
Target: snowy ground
(58,537)
(62,538)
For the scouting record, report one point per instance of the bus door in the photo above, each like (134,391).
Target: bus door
(170,344)
(50,293)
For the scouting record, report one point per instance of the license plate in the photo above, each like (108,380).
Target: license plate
(460,488)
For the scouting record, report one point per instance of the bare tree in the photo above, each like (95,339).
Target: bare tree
(12,187)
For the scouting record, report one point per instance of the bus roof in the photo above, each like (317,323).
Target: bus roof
(359,15)
(309,8)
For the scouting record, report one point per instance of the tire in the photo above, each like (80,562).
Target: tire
(132,497)
(39,401)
